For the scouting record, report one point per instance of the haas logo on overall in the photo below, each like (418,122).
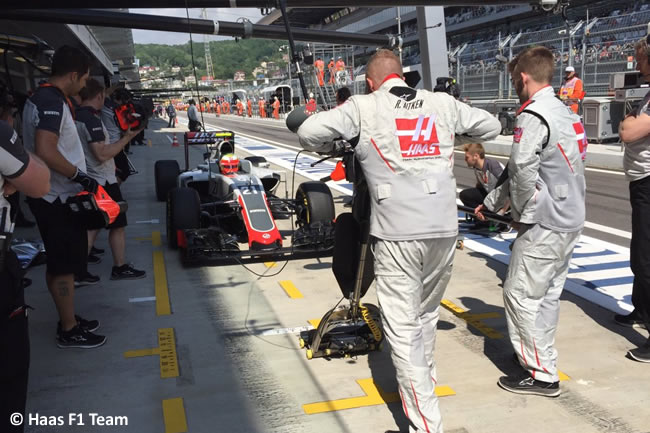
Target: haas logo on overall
(582,139)
(418,137)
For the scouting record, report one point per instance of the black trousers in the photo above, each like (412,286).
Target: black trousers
(172,121)
(194,126)
(640,247)
(472,197)
(14,347)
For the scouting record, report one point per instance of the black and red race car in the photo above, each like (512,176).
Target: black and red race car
(231,216)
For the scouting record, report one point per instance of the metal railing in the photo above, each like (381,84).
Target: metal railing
(596,49)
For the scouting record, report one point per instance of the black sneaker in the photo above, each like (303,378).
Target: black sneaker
(93,259)
(85,280)
(528,385)
(79,338)
(126,272)
(85,325)
(96,251)
(630,320)
(641,354)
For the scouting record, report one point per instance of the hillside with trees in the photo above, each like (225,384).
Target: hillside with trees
(227,56)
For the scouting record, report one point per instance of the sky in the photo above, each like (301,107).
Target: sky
(171,38)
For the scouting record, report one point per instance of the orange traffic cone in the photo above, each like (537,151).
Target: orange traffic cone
(175,142)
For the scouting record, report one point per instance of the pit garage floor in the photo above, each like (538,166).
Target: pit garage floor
(214,349)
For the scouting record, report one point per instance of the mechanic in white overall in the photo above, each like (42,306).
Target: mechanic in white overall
(406,151)
(546,187)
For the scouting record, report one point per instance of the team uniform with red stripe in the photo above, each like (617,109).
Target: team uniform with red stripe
(546,188)
(405,148)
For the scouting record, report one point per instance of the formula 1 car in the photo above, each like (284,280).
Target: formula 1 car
(214,210)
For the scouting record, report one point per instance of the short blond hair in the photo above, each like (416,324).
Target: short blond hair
(383,63)
(474,148)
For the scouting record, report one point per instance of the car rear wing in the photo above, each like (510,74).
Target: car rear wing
(207,138)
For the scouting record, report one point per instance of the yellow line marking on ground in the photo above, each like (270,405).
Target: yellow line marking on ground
(160,284)
(141,352)
(156,239)
(474,320)
(374,396)
(142,239)
(166,350)
(291,289)
(174,415)
(168,357)
(314,322)
(270,264)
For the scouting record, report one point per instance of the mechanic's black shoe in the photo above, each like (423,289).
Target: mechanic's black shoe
(85,280)
(93,259)
(126,272)
(96,251)
(85,325)
(641,354)
(630,320)
(77,337)
(528,385)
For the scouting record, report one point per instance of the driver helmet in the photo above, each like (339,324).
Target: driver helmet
(229,163)
(311,95)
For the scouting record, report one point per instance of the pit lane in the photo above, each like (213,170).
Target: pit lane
(239,367)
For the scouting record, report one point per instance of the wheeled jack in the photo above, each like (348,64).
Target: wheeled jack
(354,329)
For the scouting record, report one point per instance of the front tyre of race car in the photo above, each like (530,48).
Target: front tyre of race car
(166,173)
(314,203)
(183,212)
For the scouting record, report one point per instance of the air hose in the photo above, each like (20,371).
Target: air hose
(374,328)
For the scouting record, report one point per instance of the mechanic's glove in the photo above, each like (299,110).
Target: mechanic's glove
(88,183)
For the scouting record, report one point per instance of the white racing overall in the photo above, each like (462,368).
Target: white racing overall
(406,151)
(546,186)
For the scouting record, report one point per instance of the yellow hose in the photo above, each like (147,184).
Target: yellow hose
(374,328)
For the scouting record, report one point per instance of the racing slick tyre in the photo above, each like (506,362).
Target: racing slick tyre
(183,212)
(166,173)
(256,160)
(315,203)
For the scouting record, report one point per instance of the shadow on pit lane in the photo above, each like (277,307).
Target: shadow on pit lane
(605,318)
(499,268)
(497,350)
(383,374)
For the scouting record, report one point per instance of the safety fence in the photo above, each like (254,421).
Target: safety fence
(596,49)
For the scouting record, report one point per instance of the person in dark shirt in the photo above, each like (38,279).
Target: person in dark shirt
(487,172)
(19,171)
(49,130)
(99,152)
(171,112)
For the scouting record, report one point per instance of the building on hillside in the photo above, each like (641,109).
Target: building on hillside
(239,76)
(176,69)
(190,79)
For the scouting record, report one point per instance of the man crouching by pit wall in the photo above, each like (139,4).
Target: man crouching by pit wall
(546,187)
(405,147)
